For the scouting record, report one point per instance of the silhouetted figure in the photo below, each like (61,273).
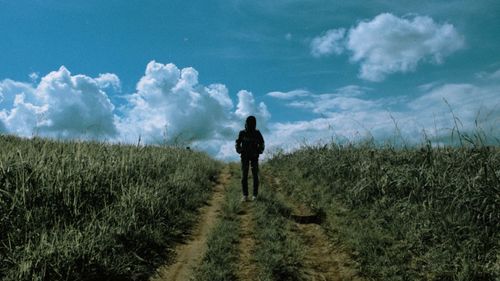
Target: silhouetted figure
(250,144)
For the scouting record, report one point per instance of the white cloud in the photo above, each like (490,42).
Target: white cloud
(34,77)
(344,117)
(171,106)
(495,75)
(108,80)
(331,42)
(352,91)
(9,89)
(61,105)
(247,106)
(345,98)
(489,75)
(388,44)
(328,103)
(474,105)
(289,95)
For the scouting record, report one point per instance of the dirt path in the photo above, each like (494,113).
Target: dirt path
(247,267)
(323,260)
(190,254)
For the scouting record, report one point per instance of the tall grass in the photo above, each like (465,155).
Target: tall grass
(94,211)
(413,213)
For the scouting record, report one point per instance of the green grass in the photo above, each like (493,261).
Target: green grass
(418,213)
(220,260)
(279,252)
(92,211)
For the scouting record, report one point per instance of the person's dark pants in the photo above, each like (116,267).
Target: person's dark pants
(245,163)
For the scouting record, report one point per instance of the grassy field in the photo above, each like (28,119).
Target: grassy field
(418,213)
(92,211)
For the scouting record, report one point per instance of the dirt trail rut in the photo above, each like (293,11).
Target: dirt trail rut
(190,254)
(246,267)
(323,260)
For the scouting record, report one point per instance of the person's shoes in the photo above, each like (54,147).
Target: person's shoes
(244,199)
(254,198)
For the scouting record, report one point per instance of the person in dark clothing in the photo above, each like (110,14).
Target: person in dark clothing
(250,144)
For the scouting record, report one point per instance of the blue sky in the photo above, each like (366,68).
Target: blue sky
(191,71)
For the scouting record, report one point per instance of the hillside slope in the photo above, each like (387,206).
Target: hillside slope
(406,214)
(92,211)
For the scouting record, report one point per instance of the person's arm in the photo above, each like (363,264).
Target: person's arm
(261,143)
(238,143)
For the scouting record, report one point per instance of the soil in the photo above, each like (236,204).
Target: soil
(323,260)
(190,254)
(247,268)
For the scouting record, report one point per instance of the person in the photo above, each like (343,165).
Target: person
(250,144)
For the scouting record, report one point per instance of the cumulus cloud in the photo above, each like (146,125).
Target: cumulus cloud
(60,105)
(168,106)
(388,44)
(171,106)
(247,106)
(108,80)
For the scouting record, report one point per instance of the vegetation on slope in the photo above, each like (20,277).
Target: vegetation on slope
(407,214)
(92,211)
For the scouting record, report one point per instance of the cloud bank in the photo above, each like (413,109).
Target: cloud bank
(389,44)
(348,114)
(169,106)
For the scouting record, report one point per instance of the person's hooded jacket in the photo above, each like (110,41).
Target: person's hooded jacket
(250,142)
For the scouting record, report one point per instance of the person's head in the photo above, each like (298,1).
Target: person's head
(251,123)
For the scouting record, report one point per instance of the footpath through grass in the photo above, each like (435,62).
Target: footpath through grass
(278,251)
(91,211)
(220,260)
(406,214)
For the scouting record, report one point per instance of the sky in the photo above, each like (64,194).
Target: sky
(190,72)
